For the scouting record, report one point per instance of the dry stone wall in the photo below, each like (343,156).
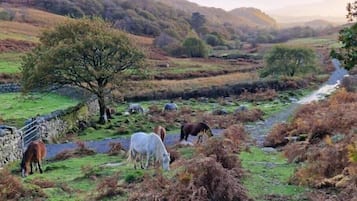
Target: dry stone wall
(10,145)
(60,122)
(9,88)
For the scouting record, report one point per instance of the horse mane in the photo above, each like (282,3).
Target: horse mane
(206,126)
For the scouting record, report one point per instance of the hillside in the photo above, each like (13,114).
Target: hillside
(250,17)
(255,16)
(26,23)
(153,17)
(20,28)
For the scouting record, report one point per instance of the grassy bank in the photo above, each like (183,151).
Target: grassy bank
(10,62)
(15,107)
(268,176)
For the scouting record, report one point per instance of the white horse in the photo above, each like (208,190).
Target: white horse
(149,145)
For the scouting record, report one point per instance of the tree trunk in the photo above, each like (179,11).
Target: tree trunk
(102,114)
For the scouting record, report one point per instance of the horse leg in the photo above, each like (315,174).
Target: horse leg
(31,172)
(199,139)
(39,166)
(141,161)
(147,160)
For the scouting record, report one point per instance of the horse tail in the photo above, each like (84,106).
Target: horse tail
(162,133)
(182,136)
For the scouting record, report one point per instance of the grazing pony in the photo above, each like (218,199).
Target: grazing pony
(160,131)
(35,153)
(135,108)
(194,129)
(170,107)
(149,145)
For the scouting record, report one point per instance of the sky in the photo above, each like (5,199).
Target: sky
(316,7)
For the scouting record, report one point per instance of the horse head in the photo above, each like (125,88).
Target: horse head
(23,168)
(206,129)
(166,161)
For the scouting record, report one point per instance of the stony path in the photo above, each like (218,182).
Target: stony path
(257,130)
(102,146)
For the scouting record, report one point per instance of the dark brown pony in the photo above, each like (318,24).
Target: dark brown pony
(35,153)
(161,131)
(194,129)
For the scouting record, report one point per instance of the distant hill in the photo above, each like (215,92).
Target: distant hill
(250,17)
(315,24)
(255,16)
(329,10)
(154,17)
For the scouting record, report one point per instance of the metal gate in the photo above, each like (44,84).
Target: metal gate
(30,132)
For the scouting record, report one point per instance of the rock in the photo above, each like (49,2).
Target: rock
(186,143)
(241,108)
(220,112)
(163,65)
(269,149)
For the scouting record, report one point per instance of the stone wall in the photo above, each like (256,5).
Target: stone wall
(10,145)
(9,88)
(59,122)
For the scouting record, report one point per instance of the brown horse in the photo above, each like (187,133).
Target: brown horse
(194,129)
(161,131)
(35,153)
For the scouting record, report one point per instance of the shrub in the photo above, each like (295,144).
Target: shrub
(89,171)
(43,183)
(329,151)
(108,187)
(296,152)
(115,148)
(260,95)
(12,188)
(204,179)
(288,61)
(350,83)
(236,133)
(277,136)
(133,177)
(194,47)
(221,150)
(249,115)
(80,151)
(213,40)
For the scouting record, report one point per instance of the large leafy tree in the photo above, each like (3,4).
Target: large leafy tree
(288,61)
(86,53)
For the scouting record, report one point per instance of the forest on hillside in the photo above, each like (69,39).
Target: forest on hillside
(171,23)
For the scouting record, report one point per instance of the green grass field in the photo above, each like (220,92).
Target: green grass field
(124,125)
(82,176)
(15,106)
(77,174)
(10,62)
(318,41)
(269,174)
